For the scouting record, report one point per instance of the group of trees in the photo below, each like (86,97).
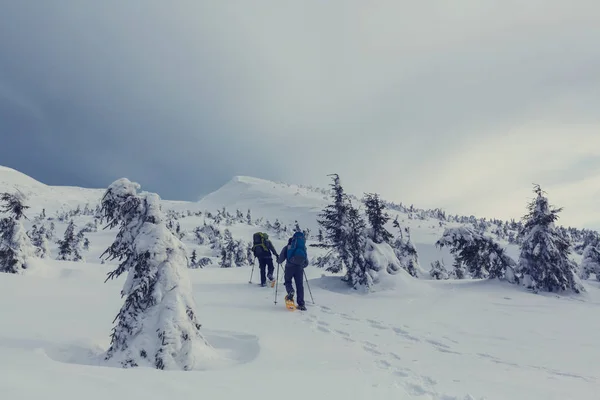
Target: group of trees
(17,245)
(356,242)
(544,262)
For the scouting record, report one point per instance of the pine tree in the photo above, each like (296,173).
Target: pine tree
(249,218)
(405,251)
(358,270)
(233,252)
(157,325)
(194,260)
(39,239)
(438,271)
(15,246)
(334,220)
(68,248)
(477,255)
(375,210)
(544,260)
(590,262)
(250,253)
(227,251)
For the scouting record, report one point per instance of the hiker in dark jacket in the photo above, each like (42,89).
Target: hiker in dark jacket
(294,269)
(265,251)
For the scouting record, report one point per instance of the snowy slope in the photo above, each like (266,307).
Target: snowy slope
(289,203)
(412,339)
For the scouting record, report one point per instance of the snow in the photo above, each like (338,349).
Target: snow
(408,339)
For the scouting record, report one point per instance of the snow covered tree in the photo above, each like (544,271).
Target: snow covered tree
(406,252)
(375,210)
(249,217)
(204,261)
(478,255)
(15,245)
(68,248)
(334,222)
(233,252)
(438,271)
(358,270)
(194,260)
(590,262)
(544,260)
(39,238)
(157,325)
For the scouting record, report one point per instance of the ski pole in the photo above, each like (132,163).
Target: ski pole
(308,286)
(277,282)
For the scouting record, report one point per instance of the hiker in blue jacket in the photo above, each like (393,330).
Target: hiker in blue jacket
(296,259)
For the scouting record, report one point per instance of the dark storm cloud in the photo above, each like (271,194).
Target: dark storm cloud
(91,92)
(433,103)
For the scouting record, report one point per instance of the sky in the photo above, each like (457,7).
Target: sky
(460,105)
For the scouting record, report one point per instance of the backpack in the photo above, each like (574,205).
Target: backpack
(259,244)
(296,251)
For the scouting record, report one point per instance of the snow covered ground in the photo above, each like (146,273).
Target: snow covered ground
(410,339)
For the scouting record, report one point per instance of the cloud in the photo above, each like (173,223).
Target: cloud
(399,97)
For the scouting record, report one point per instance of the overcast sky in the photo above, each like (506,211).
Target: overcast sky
(460,105)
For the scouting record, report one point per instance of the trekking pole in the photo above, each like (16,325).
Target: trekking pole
(251,273)
(308,286)
(277,282)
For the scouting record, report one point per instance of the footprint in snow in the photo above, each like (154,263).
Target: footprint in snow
(405,334)
(383,364)
(371,348)
(376,324)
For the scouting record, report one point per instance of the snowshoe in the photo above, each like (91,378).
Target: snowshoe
(289,302)
(303,308)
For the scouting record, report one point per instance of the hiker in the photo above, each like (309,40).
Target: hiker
(296,258)
(264,250)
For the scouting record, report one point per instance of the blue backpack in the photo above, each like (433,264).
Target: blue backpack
(296,252)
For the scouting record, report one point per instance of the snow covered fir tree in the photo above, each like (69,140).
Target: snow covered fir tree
(69,248)
(476,255)
(157,325)
(16,248)
(544,261)
(406,251)
(40,237)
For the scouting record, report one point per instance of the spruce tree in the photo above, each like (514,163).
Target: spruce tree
(438,271)
(405,251)
(477,255)
(39,238)
(15,246)
(358,269)
(157,325)
(375,210)
(194,260)
(333,221)
(590,262)
(68,247)
(544,260)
